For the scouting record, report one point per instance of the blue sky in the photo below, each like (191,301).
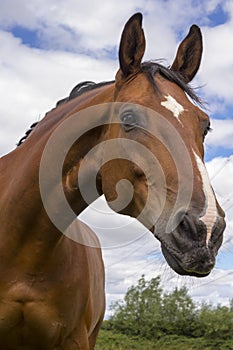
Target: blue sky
(46,49)
(28,37)
(218,16)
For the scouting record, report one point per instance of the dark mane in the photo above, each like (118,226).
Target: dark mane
(150,68)
(81,88)
(27,133)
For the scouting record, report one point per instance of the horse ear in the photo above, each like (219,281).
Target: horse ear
(132,46)
(188,57)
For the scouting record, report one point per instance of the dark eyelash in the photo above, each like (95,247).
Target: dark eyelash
(207,130)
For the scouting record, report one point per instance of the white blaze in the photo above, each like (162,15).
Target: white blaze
(172,105)
(211,213)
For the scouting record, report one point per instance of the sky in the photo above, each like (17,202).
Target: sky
(47,47)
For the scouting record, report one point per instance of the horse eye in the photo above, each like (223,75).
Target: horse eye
(207,129)
(128,120)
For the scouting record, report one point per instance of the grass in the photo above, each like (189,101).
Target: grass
(109,340)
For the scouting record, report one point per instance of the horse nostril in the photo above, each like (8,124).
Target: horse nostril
(185,220)
(191,221)
(187,224)
(178,220)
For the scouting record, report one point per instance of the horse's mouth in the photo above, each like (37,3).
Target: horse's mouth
(189,266)
(186,249)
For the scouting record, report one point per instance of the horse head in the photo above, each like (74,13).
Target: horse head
(156,173)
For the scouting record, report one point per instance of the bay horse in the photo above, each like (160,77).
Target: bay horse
(139,139)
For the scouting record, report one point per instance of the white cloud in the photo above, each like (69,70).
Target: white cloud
(87,20)
(216,71)
(114,230)
(216,289)
(222,134)
(33,80)
(221,174)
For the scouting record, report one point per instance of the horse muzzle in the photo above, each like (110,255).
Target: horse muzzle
(186,248)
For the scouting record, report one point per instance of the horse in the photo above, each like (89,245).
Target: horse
(137,140)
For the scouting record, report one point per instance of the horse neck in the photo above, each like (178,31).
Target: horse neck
(20,185)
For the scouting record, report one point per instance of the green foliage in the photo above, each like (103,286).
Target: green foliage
(146,312)
(216,322)
(179,313)
(108,340)
(141,312)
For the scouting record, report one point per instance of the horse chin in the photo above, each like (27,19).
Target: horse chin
(176,265)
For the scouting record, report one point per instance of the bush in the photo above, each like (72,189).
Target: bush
(149,313)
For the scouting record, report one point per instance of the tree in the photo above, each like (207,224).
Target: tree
(179,313)
(148,312)
(216,323)
(140,312)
